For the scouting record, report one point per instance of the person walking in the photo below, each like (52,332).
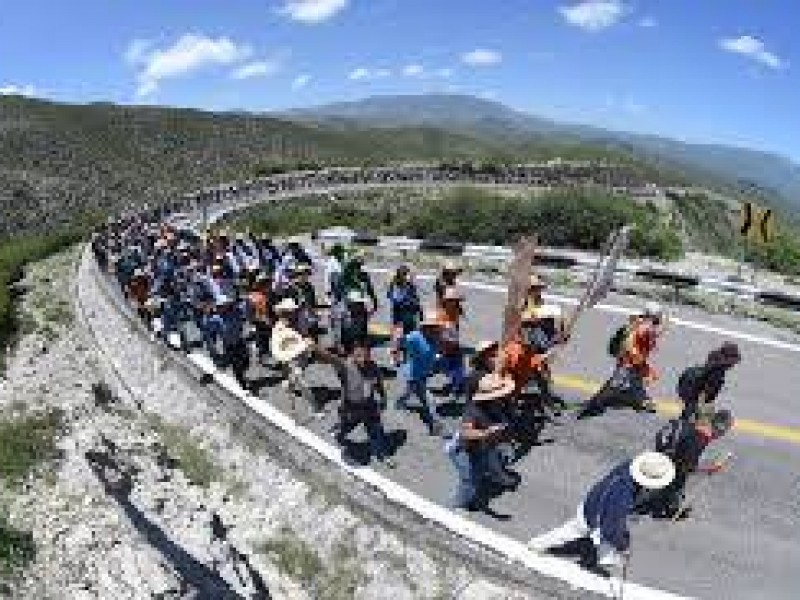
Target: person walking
(632,345)
(700,385)
(447,278)
(363,398)
(685,442)
(473,449)
(420,349)
(226,326)
(406,309)
(604,513)
(291,350)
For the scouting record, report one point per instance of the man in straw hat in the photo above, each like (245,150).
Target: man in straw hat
(420,349)
(603,515)
(631,345)
(447,278)
(473,448)
(290,349)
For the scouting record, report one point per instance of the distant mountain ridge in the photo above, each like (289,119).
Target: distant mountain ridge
(759,172)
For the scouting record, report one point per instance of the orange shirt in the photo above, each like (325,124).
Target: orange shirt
(520,362)
(260,303)
(639,345)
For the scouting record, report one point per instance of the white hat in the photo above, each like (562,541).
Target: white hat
(653,309)
(652,470)
(451,266)
(356,297)
(452,293)
(286,344)
(222,300)
(429,319)
(493,386)
(286,305)
(485,346)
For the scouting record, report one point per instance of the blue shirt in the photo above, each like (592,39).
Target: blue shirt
(420,356)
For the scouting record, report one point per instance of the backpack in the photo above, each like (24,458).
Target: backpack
(689,384)
(617,341)
(670,435)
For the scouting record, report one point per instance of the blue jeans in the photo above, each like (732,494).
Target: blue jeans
(474,468)
(378,442)
(418,389)
(452,366)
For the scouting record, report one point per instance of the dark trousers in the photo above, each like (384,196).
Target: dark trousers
(625,388)
(370,417)
(237,357)
(262,336)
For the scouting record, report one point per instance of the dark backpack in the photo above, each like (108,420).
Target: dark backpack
(670,435)
(689,384)
(617,340)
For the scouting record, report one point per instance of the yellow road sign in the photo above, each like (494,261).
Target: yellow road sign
(756,224)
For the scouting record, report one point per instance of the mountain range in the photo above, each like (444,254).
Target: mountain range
(747,172)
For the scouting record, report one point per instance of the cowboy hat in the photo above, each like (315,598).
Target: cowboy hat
(653,309)
(450,266)
(356,297)
(286,344)
(452,293)
(485,346)
(429,319)
(652,470)
(287,305)
(536,282)
(493,386)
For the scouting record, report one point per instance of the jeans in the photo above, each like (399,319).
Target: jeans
(475,468)
(419,389)
(371,418)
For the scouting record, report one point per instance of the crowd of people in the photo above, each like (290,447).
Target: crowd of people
(253,300)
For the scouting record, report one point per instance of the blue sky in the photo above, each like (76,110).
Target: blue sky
(703,70)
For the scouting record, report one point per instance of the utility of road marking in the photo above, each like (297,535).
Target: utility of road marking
(665,406)
(513,550)
(622,310)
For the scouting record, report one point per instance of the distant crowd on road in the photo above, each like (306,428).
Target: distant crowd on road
(250,302)
(554,174)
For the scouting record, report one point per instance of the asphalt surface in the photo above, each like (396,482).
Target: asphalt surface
(741,540)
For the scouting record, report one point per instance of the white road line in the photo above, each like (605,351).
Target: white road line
(621,310)
(514,551)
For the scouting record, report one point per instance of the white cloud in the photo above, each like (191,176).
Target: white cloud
(260,68)
(648,22)
(445,73)
(312,12)
(482,58)
(301,81)
(365,74)
(593,15)
(414,71)
(189,53)
(753,48)
(137,51)
(18,90)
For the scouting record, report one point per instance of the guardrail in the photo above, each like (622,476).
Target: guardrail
(216,203)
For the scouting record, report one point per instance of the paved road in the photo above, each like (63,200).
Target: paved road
(742,541)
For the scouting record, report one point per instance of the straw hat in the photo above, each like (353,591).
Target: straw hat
(653,309)
(452,293)
(652,470)
(287,305)
(536,282)
(486,346)
(356,297)
(450,266)
(493,386)
(286,344)
(429,319)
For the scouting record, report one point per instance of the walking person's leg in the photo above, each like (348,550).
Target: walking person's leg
(466,489)
(572,530)
(378,441)
(429,416)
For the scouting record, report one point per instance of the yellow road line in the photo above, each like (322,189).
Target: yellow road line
(668,407)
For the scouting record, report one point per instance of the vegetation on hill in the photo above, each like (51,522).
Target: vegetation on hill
(574,219)
(14,255)
(59,162)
